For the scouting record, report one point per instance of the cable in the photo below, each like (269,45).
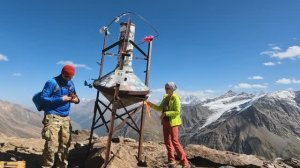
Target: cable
(117,18)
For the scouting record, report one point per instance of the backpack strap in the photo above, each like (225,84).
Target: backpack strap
(57,86)
(72,85)
(165,103)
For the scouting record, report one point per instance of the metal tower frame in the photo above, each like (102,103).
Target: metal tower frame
(116,101)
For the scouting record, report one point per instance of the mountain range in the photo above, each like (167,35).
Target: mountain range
(266,124)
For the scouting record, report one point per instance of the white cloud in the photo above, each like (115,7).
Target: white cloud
(3,58)
(161,90)
(256,77)
(291,52)
(72,63)
(276,48)
(199,93)
(269,64)
(250,86)
(184,92)
(157,94)
(83,99)
(287,81)
(272,44)
(210,91)
(267,53)
(17,74)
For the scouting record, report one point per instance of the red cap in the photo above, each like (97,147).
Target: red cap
(68,70)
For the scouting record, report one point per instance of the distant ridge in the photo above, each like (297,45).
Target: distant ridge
(18,121)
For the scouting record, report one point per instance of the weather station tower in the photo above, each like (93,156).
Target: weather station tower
(122,88)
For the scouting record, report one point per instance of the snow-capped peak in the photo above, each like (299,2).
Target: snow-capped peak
(190,99)
(286,95)
(283,94)
(230,93)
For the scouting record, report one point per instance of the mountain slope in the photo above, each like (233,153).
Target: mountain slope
(267,125)
(152,127)
(124,154)
(18,121)
(193,116)
(83,113)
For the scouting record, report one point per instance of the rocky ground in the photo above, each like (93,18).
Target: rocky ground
(124,154)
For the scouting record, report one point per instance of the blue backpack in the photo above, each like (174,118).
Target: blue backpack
(37,98)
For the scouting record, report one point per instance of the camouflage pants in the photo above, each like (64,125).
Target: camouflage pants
(57,133)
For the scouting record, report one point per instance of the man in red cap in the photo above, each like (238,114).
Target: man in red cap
(57,95)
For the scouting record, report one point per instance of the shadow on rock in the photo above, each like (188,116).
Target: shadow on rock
(80,157)
(32,160)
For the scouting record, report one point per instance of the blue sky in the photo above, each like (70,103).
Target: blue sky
(207,47)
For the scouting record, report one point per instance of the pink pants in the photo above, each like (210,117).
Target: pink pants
(171,142)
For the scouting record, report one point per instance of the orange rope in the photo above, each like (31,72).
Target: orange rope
(147,109)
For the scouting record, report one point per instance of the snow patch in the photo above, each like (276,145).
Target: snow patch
(286,95)
(252,101)
(221,106)
(190,99)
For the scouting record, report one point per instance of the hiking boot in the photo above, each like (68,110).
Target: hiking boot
(187,166)
(172,164)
